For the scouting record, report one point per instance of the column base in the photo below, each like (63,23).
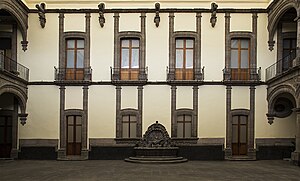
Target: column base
(296,158)
(228,153)
(61,154)
(14,153)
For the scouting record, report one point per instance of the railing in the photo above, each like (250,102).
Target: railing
(180,74)
(280,66)
(9,65)
(129,74)
(73,74)
(242,74)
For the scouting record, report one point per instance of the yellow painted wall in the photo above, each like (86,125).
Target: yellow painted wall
(240,22)
(74,22)
(43,113)
(129,97)
(212,119)
(74,97)
(184,97)
(240,97)
(102,111)
(185,22)
(130,22)
(213,47)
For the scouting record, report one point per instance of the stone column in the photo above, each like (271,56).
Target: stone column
(14,149)
(228,151)
(84,150)
(116,72)
(298,43)
(251,124)
(118,109)
(195,109)
(140,109)
(62,124)
(173,110)
(171,73)
(296,153)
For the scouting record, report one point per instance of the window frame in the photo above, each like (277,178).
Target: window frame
(188,112)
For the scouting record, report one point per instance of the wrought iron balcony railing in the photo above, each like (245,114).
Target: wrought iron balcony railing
(14,68)
(73,74)
(185,74)
(129,74)
(281,66)
(242,74)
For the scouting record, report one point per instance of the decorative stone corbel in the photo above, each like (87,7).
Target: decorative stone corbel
(271,44)
(23,118)
(157,18)
(24,45)
(41,12)
(213,19)
(270,118)
(101,7)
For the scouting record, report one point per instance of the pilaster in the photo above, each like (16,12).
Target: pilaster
(118,109)
(195,109)
(140,110)
(228,151)
(173,110)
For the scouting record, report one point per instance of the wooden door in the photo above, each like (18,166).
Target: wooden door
(74,125)
(239,135)
(5,136)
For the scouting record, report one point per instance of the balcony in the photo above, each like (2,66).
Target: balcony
(73,75)
(129,76)
(281,67)
(241,75)
(12,68)
(180,75)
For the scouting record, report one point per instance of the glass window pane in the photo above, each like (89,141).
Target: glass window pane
(80,59)
(70,58)
(189,58)
(189,43)
(71,43)
(70,134)
(125,43)
(243,134)
(234,43)
(135,43)
(125,119)
(70,120)
(80,43)
(235,120)
(125,58)
(180,130)
(188,118)
(243,119)
(294,44)
(132,119)
(179,58)
(188,130)
(244,43)
(179,43)
(78,134)
(132,130)
(180,118)
(244,59)
(135,58)
(235,134)
(234,59)
(78,120)
(125,130)
(286,43)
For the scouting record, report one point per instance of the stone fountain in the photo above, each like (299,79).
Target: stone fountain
(156,147)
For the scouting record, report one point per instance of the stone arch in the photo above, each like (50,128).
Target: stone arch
(18,92)
(276,11)
(20,13)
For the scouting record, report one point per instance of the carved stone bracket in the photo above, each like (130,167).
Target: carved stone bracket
(213,19)
(270,118)
(157,18)
(101,7)
(23,118)
(41,12)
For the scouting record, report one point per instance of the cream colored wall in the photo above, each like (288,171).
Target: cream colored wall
(184,97)
(102,109)
(240,97)
(74,22)
(157,106)
(74,97)
(42,53)
(43,113)
(102,47)
(213,47)
(185,22)
(130,22)
(281,128)
(157,47)
(240,22)
(129,97)
(211,114)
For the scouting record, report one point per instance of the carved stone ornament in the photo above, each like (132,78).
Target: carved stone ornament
(23,118)
(213,19)
(101,7)
(157,18)
(156,136)
(41,12)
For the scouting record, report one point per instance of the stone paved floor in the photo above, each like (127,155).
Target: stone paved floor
(120,170)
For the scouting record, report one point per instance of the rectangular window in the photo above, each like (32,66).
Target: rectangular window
(184,126)
(130,58)
(240,59)
(184,59)
(129,126)
(74,59)
(289,53)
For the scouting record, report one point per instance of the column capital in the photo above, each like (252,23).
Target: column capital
(296,110)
